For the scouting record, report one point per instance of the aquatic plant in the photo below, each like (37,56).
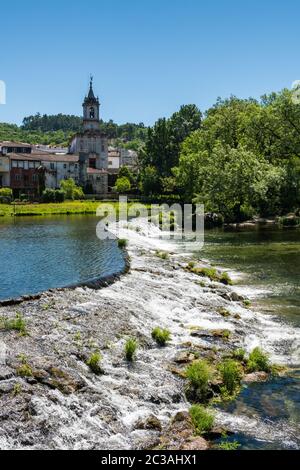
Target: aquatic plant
(122,243)
(199,374)
(202,419)
(130,349)
(231,374)
(227,445)
(94,363)
(161,336)
(224,312)
(162,254)
(258,361)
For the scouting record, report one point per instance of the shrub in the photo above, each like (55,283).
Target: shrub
(258,361)
(123,185)
(24,371)
(231,375)
(71,190)
(161,336)
(130,349)
(199,374)
(122,243)
(17,324)
(203,420)
(94,363)
(53,195)
(6,192)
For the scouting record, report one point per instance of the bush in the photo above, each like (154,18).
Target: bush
(161,336)
(122,243)
(199,374)
(6,195)
(130,349)
(94,363)
(231,375)
(258,361)
(123,185)
(53,195)
(70,189)
(290,221)
(203,420)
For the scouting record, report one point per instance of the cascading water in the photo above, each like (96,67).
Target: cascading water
(157,292)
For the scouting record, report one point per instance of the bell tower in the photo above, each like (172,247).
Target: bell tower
(91,110)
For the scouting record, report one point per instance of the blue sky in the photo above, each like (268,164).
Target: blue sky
(147,56)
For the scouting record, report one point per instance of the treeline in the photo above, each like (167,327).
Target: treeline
(14,133)
(68,123)
(240,159)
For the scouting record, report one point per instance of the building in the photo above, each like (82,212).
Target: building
(114,158)
(128,158)
(91,145)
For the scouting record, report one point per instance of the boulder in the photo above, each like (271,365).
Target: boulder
(256,377)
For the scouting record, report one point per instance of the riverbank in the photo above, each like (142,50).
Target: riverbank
(63,208)
(61,404)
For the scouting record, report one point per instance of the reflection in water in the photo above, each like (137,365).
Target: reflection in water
(41,253)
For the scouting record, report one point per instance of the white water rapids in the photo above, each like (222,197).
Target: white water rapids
(161,293)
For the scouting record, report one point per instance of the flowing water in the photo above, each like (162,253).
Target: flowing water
(37,254)
(158,292)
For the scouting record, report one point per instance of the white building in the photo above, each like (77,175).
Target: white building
(128,158)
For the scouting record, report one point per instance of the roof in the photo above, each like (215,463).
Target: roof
(7,143)
(96,171)
(44,157)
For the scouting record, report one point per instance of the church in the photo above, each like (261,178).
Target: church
(91,145)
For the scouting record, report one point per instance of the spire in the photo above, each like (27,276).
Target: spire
(91,95)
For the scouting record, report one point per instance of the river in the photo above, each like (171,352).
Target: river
(265,266)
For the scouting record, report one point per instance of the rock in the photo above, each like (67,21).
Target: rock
(180,435)
(5,373)
(217,433)
(60,379)
(211,334)
(184,357)
(195,443)
(256,377)
(150,423)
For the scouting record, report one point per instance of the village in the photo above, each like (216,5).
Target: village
(89,160)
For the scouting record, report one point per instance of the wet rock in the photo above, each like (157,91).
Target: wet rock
(217,433)
(56,378)
(195,443)
(151,423)
(180,435)
(184,357)
(256,377)
(5,373)
(211,334)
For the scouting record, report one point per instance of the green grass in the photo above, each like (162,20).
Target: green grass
(258,361)
(161,336)
(239,354)
(212,273)
(231,374)
(94,363)
(224,312)
(17,324)
(162,255)
(199,374)
(203,419)
(63,208)
(130,349)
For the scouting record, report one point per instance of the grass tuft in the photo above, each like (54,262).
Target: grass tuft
(258,361)
(161,336)
(130,349)
(203,419)
(231,374)
(94,363)
(199,374)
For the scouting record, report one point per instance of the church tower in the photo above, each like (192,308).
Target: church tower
(91,110)
(91,145)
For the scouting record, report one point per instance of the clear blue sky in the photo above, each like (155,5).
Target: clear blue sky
(147,56)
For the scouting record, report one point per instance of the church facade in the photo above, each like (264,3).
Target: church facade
(91,145)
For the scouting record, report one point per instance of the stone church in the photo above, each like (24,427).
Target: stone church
(91,145)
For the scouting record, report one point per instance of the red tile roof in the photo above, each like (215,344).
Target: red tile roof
(44,157)
(96,171)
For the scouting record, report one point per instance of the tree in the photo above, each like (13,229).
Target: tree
(150,182)
(71,190)
(234,182)
(123,185)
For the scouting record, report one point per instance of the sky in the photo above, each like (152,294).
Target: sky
(148,57)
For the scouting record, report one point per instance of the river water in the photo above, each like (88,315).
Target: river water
(36,254)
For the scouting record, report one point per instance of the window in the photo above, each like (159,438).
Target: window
(76,166)
(30,165)
(20,164)
(65,166)
(14,164)
(52,167)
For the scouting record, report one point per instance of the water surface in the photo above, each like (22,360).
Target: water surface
(39,253)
